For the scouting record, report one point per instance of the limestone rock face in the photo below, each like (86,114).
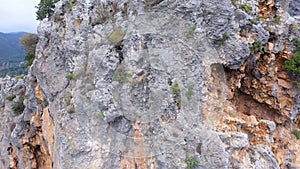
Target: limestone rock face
(156,84)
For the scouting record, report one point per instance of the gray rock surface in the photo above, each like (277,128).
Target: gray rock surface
(129,85)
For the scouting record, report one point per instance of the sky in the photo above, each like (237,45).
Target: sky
(18,16)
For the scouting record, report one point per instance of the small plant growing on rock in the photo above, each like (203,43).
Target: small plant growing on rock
(101,116)
(269,29)
(56,17)
(297,134)
(293,65)
(45,103)
(257,47)
(175,89)
(20,76)
(176,92)
(297,43)
(225,37)
(11,97)
(277,20)
(191,162)
(252,21)
(18,107)
(191,32)
(190,93)
(72,76)
(70,5)
(234,3)
(246,8)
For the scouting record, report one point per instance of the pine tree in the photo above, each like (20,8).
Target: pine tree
(29,43)
(45,9)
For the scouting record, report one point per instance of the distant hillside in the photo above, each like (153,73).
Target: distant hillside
(11,53)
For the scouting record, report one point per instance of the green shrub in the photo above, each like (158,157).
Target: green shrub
(257,47)
(18,106)
(225,37)
(294,64)
(190,93)
(268,29)
(297,84)
(191,162)
(72,76)
(29,43)
(20,76)
(191,32)
(177,96)
(277,20)
(246,8)
(70,5)
(297,134)
(252,21)
(234,3)
(296,43)
(11,97)
(175,89)
(45,103)
(101,116)
(56,18)
(259,17)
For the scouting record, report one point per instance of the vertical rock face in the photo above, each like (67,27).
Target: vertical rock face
(156,84)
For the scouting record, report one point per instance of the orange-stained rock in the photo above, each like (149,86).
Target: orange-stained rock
(284,83)
(286,54)
(13,162)
(36,143)
(270,3)
(48,128)
(279,155)
(39,93)
(266,9)
(25,159)
(251,120)
(36,120)
(127,163)
(33,164)
(285,101)
(282,75)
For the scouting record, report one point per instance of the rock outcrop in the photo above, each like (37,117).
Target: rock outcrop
(157,84)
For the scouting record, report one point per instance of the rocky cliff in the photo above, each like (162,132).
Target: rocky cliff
(157,84)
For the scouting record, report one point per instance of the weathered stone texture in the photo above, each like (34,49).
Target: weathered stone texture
(154,84)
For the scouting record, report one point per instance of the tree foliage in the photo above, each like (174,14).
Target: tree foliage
(293,65)
(29,43)
(45,9)
(18,107)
